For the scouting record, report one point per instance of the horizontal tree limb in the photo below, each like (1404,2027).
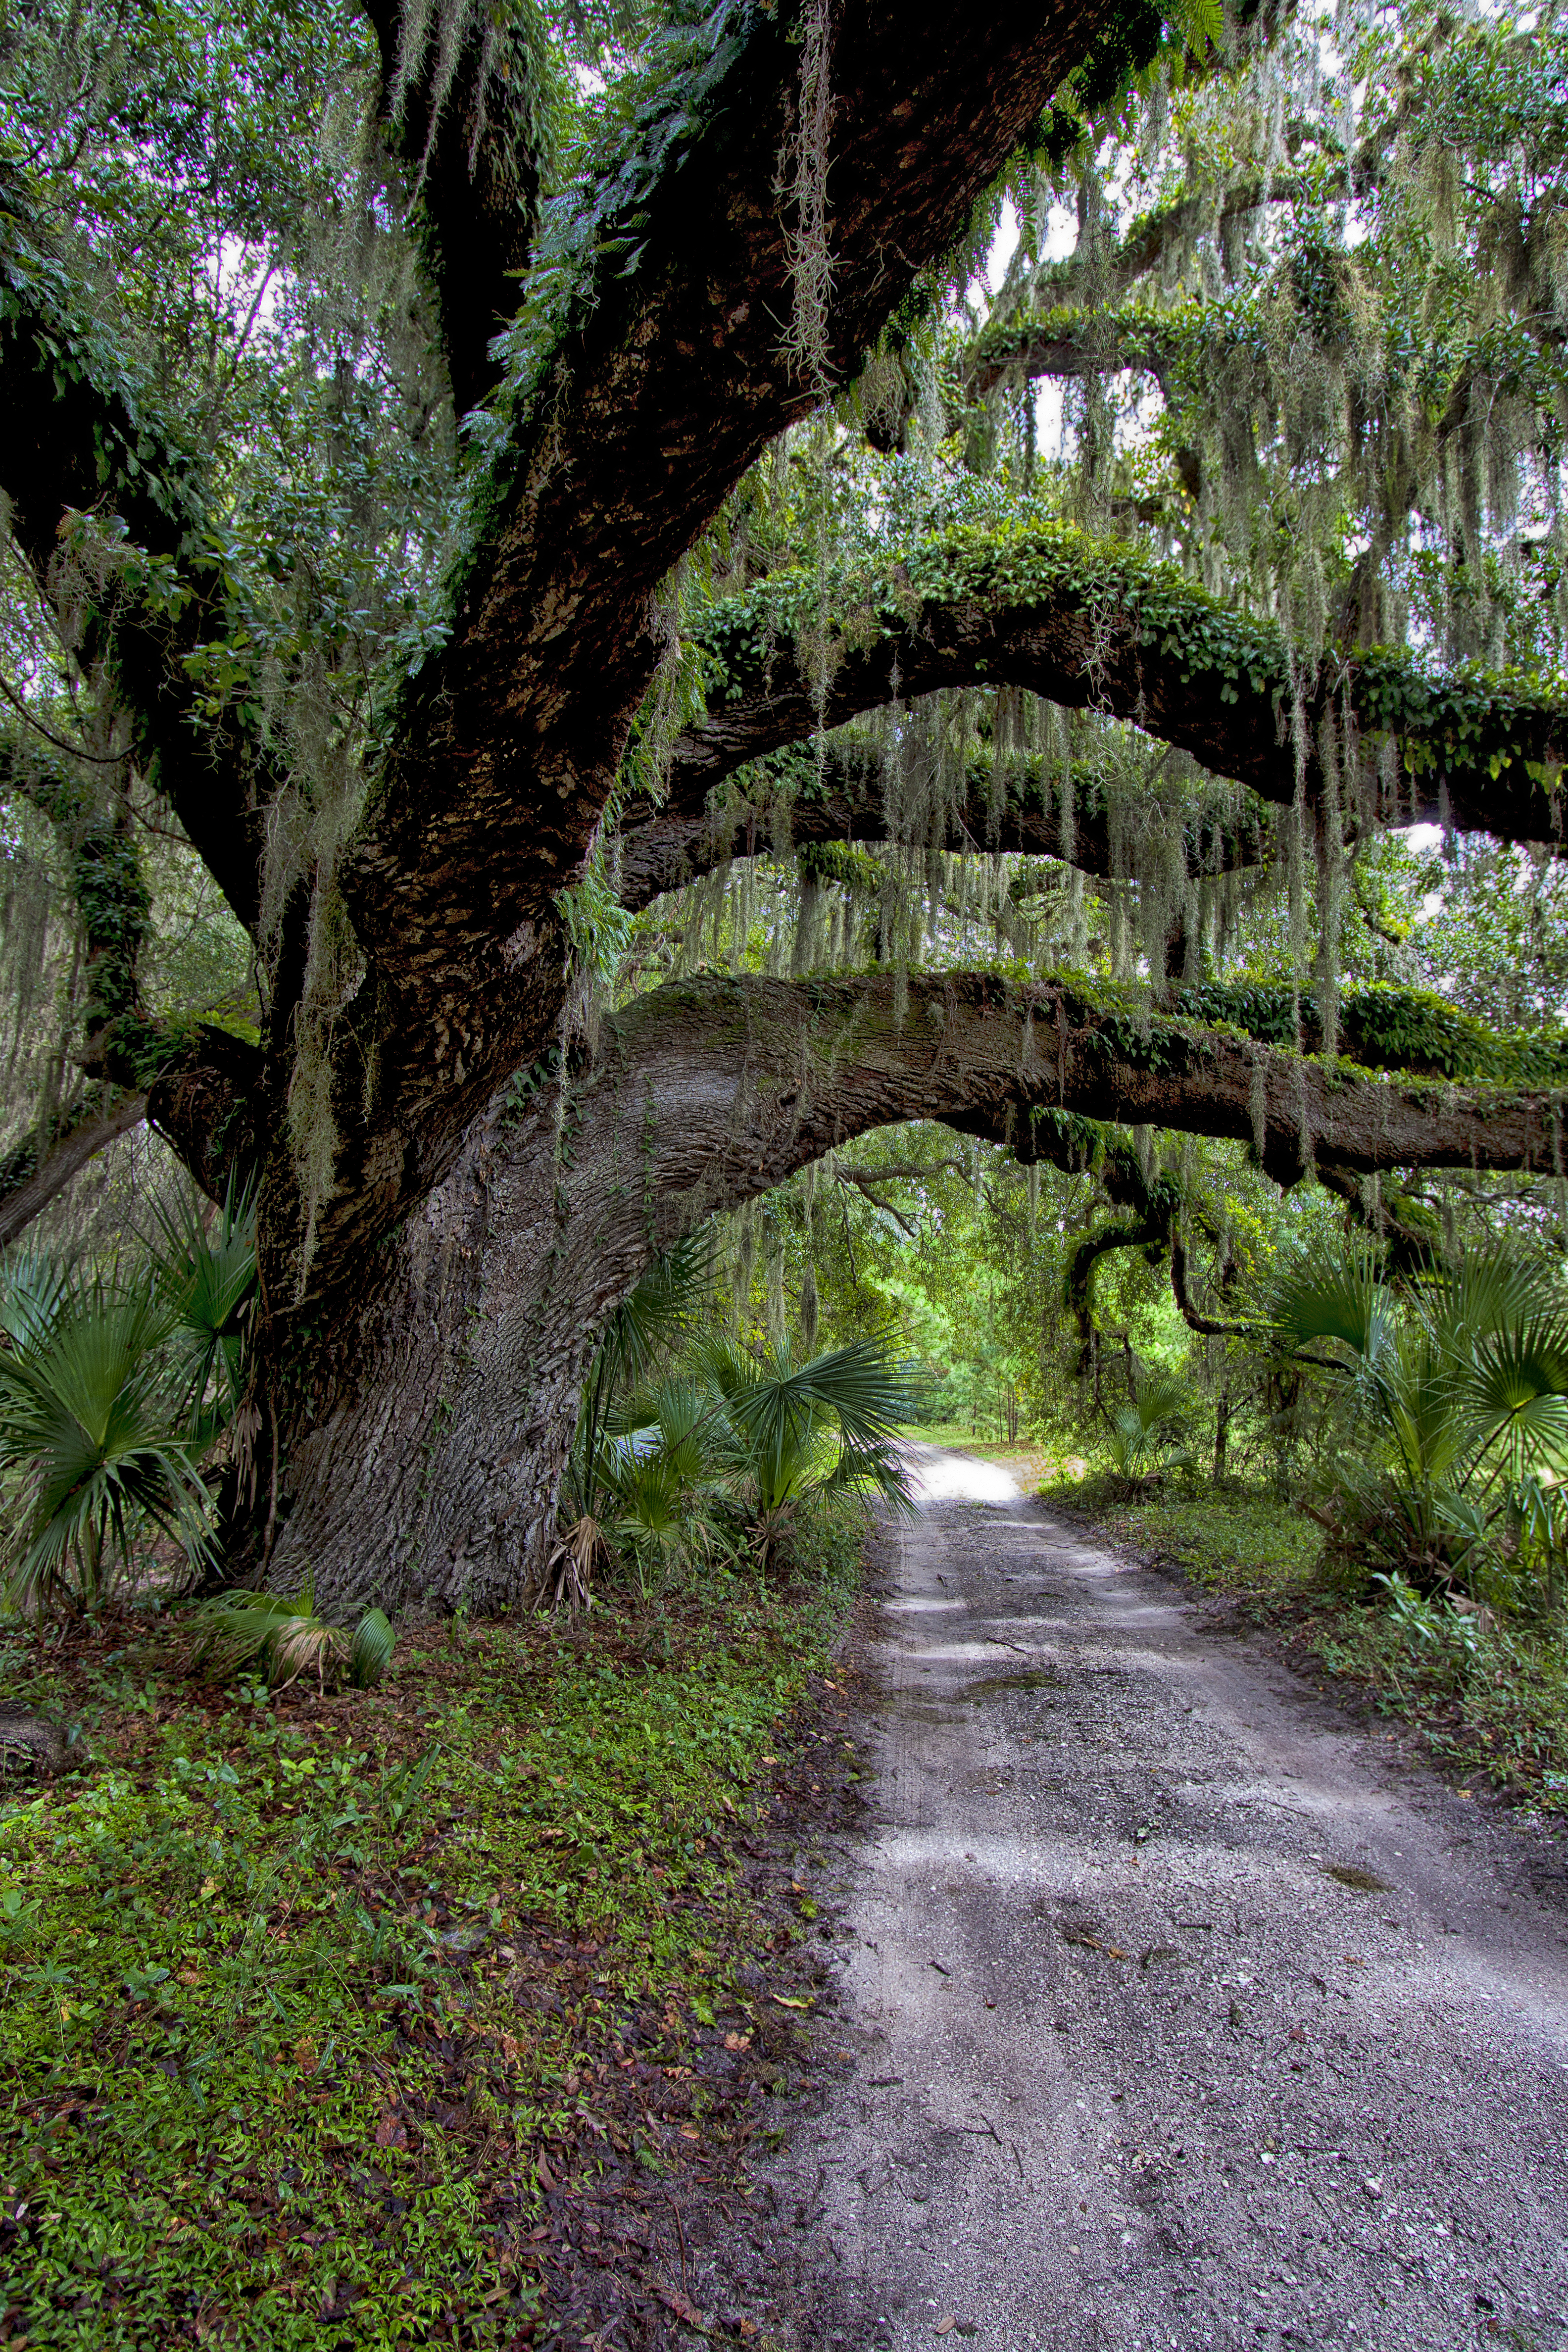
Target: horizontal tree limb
(702,1094)
(805,1065)
(1093,625)
(1013,805)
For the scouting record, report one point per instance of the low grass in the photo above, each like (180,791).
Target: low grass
(309,2003)
(1488,1697)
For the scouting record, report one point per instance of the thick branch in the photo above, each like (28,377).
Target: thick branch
(670,292)
(1098,625)
(471,131)
(753,1078)
(846,799)
(82,436)
(670,372)
(1067,342)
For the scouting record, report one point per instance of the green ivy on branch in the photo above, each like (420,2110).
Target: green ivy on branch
(1468,721)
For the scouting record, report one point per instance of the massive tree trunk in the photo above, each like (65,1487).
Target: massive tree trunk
(427,1454)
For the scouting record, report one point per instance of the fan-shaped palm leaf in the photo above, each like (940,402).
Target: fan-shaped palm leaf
(639,1333)
(1514,1393)
(830,1423)
(34,1289)
(1146,1434)
(85,1418)
(1338,1296)
(206,1277)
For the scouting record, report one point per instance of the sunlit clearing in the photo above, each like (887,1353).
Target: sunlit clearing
(959,1479)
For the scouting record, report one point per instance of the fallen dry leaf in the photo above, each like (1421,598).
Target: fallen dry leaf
(784,2000)
(681,2304)
(945,2325)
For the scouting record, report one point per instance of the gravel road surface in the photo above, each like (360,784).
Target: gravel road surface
(1181,2009)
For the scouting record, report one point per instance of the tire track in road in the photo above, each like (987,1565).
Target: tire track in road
(1132,2067)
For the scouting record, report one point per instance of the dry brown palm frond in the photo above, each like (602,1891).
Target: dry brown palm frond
(569,1573)
(300,1644)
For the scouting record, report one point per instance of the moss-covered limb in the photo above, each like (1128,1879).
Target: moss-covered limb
(32,1174)
(1205,1326)
(843,797)
(83,438)
(1093,623)
(1382,1027)
(1014,1063)
(1148,1229)
(651,349)
(110,895)
(1067,341)
(199,1085)
(444,1402)
(473,130)
(1410,1233)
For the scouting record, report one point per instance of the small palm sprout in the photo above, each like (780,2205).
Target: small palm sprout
(281,1634)
(1147,1436)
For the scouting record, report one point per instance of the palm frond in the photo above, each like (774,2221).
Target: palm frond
(1338,1296)
(1514,1388)
(34,1289)
(1494,1291)
(84,1418)
(206,1275)
(835,1418)
(371,1652)
(639,1333)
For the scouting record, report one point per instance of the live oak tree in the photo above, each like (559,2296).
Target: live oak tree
(519,506)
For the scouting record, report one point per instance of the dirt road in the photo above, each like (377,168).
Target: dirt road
(1179,2014)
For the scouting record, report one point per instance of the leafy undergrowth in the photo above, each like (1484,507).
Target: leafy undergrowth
(1490,1699)
(1245,1544)
(337,2021)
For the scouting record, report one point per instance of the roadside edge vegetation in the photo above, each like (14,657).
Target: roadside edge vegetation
(312,2002)
(1487,1694)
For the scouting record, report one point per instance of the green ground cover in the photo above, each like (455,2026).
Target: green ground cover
(309,2000)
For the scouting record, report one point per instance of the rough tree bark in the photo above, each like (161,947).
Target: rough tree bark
(431,1471)
(665,378)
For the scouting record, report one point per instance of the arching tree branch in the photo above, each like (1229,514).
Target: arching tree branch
(30,1178)
(705,1093)
(1098,625)
(1011,805)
